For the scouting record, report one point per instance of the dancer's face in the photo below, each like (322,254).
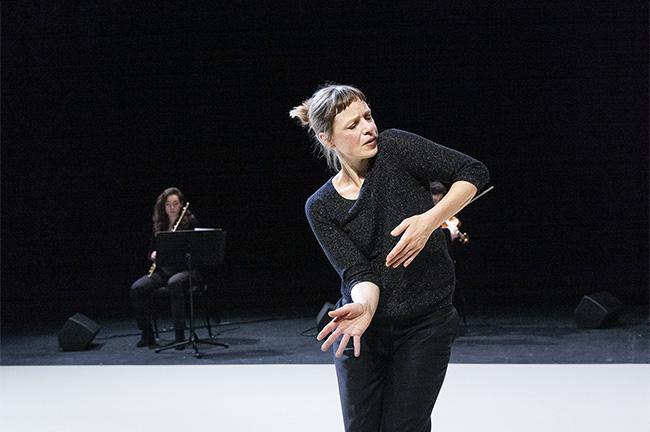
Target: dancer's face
(354,133)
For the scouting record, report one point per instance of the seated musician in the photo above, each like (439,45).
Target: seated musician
(454,238)
(450,227)
(169,214)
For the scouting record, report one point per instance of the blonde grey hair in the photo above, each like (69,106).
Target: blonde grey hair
(317,113)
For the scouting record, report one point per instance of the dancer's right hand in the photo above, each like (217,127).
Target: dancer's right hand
(350,320)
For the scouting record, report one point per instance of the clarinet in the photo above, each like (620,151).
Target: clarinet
(152,269)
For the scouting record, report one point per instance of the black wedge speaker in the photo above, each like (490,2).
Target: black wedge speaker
(322,319)
(598,310)
(77,333)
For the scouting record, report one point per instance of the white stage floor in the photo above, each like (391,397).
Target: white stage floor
(503,398)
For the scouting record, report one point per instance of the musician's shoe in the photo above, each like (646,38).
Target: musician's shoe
(146,340)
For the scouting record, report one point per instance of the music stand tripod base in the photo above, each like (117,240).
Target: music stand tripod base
(194,340)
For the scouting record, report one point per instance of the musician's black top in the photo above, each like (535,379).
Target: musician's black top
(355,234)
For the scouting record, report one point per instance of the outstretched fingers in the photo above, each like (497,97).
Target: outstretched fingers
(331,339)
(348,322)
(357,345)
(344,343)
(329,328)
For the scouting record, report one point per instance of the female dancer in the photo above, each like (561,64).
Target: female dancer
(375,220)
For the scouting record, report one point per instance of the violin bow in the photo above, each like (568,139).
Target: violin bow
(481,194)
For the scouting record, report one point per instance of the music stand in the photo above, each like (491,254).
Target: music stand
(201,247)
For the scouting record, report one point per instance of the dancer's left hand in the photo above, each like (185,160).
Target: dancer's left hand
(415,231)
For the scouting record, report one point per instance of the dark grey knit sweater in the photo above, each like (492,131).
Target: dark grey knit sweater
(355,234)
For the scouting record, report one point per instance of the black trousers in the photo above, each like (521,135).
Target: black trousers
(394,384)
(142,289)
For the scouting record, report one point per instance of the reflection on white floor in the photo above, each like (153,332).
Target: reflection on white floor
(503,398)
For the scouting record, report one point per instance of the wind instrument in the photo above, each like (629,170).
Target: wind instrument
(152,269)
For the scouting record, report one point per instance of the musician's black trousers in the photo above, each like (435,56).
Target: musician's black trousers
(141,297)
(394,384)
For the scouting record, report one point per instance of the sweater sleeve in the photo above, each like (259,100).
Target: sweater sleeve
(430,161)
(346,258)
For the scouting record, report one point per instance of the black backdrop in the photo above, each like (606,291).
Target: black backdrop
(104,104)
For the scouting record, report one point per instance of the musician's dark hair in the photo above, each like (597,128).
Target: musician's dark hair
(438,188)
(160,219)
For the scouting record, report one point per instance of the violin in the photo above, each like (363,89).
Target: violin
(463,238)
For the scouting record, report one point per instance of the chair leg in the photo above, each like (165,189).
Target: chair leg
(207,321)
(155,326)
(207,318)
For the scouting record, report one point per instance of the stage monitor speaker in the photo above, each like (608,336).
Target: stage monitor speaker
(77,333)
(322,318)
(597,310)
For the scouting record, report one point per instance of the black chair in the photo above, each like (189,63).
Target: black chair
(161,295)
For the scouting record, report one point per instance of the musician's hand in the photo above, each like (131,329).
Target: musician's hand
(452,226)
(415,232)
(153,256)
(350,320)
